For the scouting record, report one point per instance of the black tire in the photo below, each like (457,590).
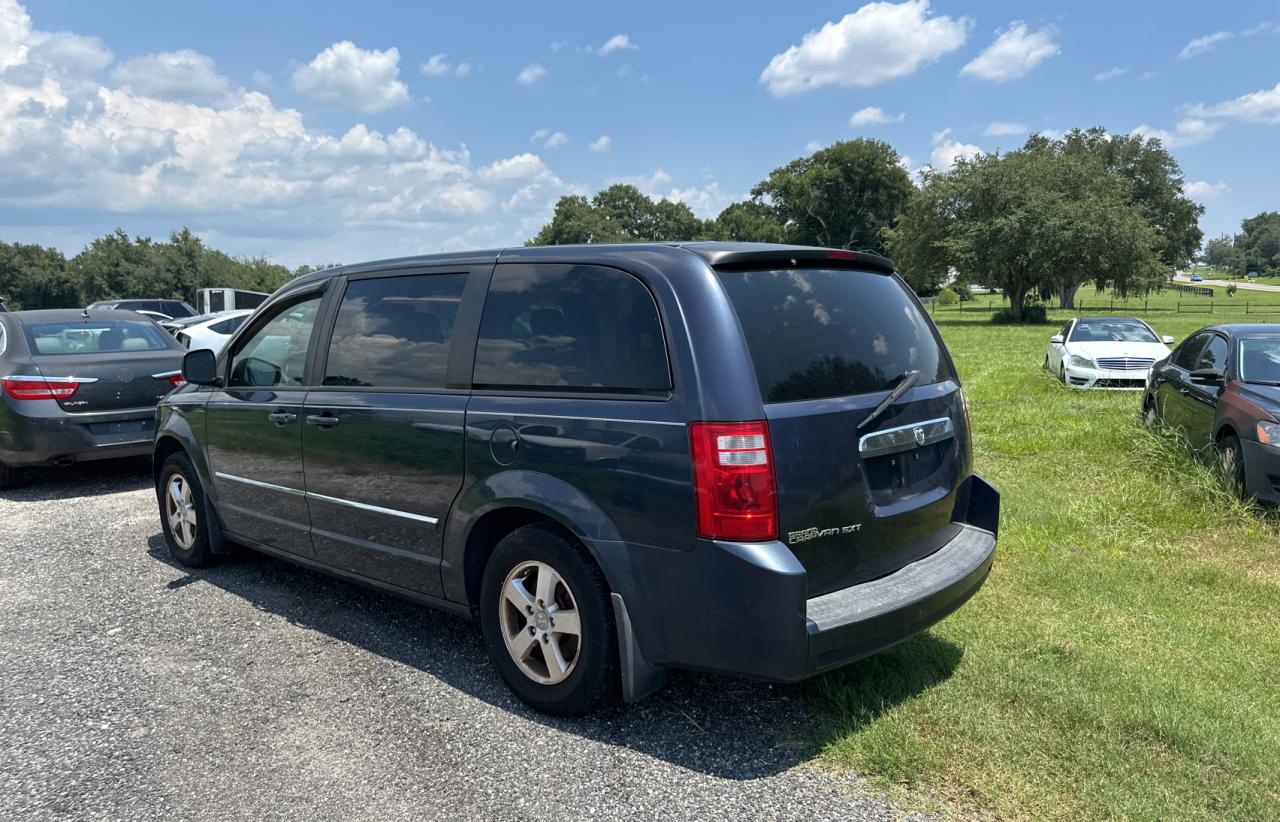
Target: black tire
(1062,373)
(198,553)
(593,674)
(1231,460)
(11,476)
(1151,415)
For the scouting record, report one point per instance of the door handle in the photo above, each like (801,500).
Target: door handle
(322,420)
(282,418)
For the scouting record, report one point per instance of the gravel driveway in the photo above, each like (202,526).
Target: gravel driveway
(131,688)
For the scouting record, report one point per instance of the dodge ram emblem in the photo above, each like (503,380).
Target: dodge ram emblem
(919,435)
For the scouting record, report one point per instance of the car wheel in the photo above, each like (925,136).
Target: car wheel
(1231,459)
(183,512)
(11,476)
(547,621)
(1151,415)
(1062,373)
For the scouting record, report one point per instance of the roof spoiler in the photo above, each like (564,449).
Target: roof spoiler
(764,255)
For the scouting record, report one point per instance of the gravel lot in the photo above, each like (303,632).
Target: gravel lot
(131,688)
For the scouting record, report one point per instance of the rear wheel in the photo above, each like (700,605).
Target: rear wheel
(11,476)
(182,512)
(547,621)
(1231,459)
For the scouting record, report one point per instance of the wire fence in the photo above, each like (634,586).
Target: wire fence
(1084,306)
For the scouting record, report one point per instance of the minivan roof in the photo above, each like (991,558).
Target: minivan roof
(717,254)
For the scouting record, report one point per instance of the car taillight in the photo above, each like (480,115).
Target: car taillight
(176,380)
(733,480)
(39,388)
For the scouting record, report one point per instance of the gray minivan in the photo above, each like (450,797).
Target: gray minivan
(621,459)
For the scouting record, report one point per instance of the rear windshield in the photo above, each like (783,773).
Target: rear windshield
(93,336)
(817,333)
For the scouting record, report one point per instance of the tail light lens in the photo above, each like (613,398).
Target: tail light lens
(176,380)
(733,481)
(39,388)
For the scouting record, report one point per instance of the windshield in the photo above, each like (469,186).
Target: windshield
(1260,359)
(94,336)
(816,333)
(1112,331)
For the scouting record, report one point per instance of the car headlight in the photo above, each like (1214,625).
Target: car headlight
(1081,362)
(1268,432)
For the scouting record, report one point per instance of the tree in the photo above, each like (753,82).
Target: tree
(619,214)
(842,196)
(747,222)
(32,276)
(1221,253)
(1255,248)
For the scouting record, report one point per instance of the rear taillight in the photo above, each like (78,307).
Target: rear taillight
(176,380)
(733,480)
(39,388)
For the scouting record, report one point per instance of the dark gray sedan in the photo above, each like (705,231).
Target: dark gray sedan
(79,385)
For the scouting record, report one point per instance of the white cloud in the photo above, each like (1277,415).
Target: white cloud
(618,42)
(1015,51)
(549,139)
(874,116)
(1110,74)
(438,65)
(1052,133)
(1202,44)
(252,177)
(601,144)
(879,42)
(1265,27)
(174,75)
(349,77)
(1256,107)
(1186,132)
(1200,191)
(531,74)
(947,150)
(263,80)
(557,45)
(814,145)
(1003,128)
(705,201)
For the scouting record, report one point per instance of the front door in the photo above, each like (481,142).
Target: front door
(1174,383)
(1201,398)
(382,434)
(254,429)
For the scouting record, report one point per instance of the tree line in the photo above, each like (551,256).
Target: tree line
(1037,223)
(1255,248)
(117,266)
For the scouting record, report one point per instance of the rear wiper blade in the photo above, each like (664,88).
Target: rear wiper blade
(906,381)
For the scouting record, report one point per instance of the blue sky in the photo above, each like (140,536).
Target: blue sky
(311,132)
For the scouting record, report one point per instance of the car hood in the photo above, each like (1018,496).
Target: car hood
(1266,396)
(1093,350)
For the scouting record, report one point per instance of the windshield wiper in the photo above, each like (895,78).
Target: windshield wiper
(906,381)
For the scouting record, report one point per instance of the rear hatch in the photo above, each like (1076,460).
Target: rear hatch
(829,345)
(116,364)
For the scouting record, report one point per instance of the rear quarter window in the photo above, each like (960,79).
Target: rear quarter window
(95,336)
(816,333)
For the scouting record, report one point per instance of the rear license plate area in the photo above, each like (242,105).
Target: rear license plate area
(919,469)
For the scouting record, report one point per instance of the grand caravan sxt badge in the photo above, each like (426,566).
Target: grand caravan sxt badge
(797,537)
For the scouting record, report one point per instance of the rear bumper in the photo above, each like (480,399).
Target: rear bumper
(57,437)
(1261,471)
(741,609)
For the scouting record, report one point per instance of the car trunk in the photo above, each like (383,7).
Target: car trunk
(859,494)
(121,380)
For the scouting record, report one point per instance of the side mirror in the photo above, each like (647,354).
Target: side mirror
(1056,339)
(1168,339)
(1206,376)
(200,367)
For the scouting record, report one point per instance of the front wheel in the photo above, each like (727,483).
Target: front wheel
(1151,415)
(182,512)
(547,621)
(1231,459)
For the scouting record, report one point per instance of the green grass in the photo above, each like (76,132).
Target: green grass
(1123,660)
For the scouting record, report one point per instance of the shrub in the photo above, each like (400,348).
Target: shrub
(948,297)
(1032,314)
(1231,289)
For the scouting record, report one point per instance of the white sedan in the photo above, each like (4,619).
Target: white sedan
(211,331)
(1105,352)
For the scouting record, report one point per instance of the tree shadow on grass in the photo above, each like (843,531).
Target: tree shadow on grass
(721,726)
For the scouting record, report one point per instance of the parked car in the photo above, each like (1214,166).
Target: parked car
(1105,352)
(1221,390)
(742,458)
(209,331)
(169,308)
(79,385)
(155,317)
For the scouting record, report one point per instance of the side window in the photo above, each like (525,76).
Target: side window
(229,325)
(570,327)
(1215,354)
(1187,353)
(276,354)
(394,332)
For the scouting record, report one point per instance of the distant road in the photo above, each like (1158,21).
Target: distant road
(1243,286)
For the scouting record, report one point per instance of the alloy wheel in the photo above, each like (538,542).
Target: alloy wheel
(180,509)
(540,622)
